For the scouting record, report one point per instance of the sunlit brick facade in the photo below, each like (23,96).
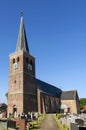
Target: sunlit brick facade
(26,93)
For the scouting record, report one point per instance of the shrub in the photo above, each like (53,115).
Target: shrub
(59,115)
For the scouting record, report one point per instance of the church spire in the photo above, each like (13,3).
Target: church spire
(22,40)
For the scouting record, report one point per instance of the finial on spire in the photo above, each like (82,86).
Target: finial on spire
(21,16)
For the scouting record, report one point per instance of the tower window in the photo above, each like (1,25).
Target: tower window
(18,59)
(26,60)
(13,61)
(15,81)
(31,62)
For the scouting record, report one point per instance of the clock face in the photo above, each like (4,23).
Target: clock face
(29,67)
(15,65)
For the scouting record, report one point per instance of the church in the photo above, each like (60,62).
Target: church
(26,93)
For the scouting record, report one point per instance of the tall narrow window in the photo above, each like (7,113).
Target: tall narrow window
(15,81)
(26,60)
(18,59)
(13,61)
(31,62)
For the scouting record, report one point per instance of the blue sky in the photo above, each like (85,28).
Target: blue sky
(56,33)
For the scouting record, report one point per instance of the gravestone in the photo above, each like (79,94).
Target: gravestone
(73,126)
(82,128)
(11,124)
(3,125)
(80,122)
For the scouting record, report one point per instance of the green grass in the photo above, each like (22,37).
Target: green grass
(34,125)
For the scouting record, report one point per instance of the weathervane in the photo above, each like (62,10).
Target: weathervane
(21,14)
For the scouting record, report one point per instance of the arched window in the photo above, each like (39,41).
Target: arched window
(14,81)
(31,62)
(26,60)
(18,59)
(13,60)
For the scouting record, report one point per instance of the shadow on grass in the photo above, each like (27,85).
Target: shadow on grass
(35,128)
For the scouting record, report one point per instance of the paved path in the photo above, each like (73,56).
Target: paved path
(49,123)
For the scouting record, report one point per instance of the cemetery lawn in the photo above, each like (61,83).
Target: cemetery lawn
(62,127)
(34,125)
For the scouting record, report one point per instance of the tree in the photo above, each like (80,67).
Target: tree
(6,94)
(82,102)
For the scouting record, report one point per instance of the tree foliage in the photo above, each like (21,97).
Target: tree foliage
(82,102)
(6,94)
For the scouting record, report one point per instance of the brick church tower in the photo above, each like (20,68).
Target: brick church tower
(22,91)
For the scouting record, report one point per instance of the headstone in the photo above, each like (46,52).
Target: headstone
(28,125)
(11,124)
(82,128)
(3,125)
(80,122)
(73,126)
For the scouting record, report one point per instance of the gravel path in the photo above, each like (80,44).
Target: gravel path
(49,123)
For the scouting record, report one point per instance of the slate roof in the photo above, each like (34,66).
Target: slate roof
(22,43)
(48,89)
(69,95)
